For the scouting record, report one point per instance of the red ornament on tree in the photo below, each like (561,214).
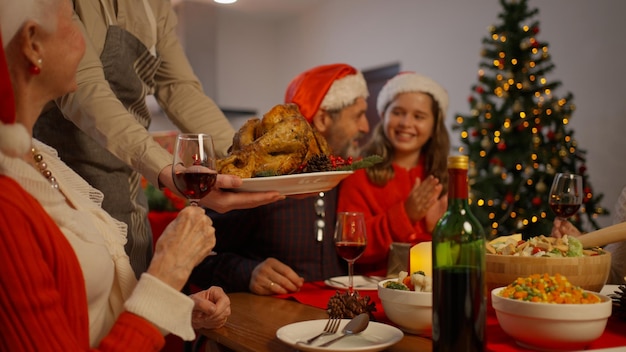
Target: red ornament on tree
(535,30)
(509,198)
(470,99)
(495,161)
(550,135)
(582,169)
(480,90)
(536,201)
(501,146)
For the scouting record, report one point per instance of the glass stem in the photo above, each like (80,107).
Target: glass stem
(350,274)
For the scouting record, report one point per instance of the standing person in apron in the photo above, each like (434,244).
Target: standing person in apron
(101,129)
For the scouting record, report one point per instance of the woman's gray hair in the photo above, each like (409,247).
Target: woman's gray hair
(13,14)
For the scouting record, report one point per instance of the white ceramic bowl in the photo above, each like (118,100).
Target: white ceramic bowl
(411,311)
(550,326)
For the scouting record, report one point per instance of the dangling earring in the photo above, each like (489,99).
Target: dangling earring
(35,69)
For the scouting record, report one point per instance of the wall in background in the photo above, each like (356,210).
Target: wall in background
(255,58)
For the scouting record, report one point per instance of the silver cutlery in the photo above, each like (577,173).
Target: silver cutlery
(332,325)
(354,326)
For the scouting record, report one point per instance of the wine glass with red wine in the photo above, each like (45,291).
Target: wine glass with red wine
(194,170)
(566,194)
(350,240)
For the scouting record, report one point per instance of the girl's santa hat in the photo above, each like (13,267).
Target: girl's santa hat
(329,87)
(406,82)
(14,139)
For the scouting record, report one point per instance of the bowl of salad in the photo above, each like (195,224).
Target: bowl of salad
(547,312)
(408,301)
(509,258)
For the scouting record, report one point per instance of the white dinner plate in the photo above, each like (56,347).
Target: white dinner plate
(361,283)
(376,337)
(312,182)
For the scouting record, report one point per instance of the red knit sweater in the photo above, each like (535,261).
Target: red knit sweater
(43,304)
(385,218)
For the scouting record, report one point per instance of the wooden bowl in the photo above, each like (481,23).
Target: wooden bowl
(588,272)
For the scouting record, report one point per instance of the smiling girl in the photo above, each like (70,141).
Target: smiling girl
(403,196)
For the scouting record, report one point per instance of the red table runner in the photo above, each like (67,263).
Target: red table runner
(317,294)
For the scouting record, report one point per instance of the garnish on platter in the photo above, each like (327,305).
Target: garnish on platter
(283,143)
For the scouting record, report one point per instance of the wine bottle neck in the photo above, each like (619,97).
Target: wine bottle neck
(457,184)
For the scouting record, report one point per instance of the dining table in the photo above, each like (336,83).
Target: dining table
(255,320)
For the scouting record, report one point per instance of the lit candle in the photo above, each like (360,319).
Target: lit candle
(421,258)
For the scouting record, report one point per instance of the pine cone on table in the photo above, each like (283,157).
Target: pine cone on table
(349,306)
(619,302)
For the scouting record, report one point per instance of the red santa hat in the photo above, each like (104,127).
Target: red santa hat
(329,87)
(14,139)
(406,82)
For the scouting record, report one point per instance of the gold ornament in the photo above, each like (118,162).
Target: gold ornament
(541,187)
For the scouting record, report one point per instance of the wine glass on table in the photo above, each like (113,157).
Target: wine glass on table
(566,194)
(350,240)
(194,171)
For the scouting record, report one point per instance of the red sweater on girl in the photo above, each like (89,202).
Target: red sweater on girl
(385,218)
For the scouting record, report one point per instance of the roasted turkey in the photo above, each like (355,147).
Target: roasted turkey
(278,144)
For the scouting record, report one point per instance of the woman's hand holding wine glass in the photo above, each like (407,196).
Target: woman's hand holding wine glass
(194,169)
(566,195)
(350,240)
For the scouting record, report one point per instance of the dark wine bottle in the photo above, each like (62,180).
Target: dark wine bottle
(459,290)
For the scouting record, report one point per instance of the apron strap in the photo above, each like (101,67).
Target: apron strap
(150,17)
(106,13)
(153,26)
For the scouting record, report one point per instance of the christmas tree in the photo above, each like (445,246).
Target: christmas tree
(517,134)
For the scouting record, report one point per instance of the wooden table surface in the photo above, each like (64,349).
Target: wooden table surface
(255,319)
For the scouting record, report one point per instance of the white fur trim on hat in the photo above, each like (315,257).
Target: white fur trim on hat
(344,91)
(14,139)
(411,82)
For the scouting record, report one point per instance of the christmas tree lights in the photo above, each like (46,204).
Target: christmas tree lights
(517,132)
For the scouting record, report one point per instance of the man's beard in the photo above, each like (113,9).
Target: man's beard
(349,148)
(352,149)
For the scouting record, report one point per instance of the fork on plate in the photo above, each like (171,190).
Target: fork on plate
(332,325)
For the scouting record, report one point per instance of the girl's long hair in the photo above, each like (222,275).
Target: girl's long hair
(434,152)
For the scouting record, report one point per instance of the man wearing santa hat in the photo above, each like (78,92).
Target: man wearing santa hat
(273,249)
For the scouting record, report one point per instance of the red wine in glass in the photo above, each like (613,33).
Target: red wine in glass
(564,210)
(350,240)
(195,184)
(566,194)
(194,169)
(350,250)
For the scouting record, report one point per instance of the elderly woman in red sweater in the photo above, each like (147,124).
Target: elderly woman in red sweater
(66,282)
(403,196)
